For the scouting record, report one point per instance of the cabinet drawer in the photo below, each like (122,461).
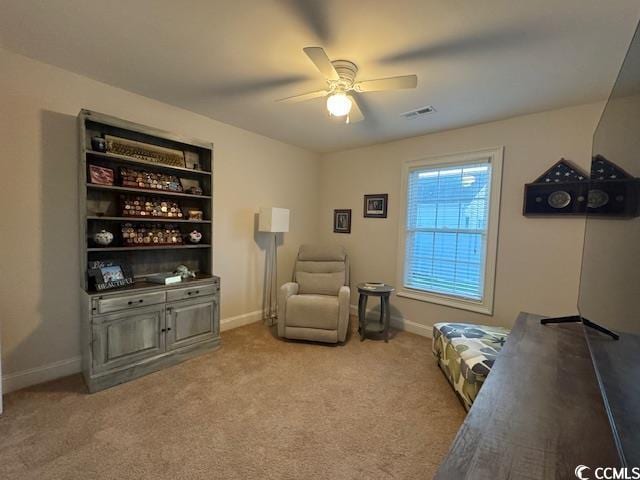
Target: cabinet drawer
(113,304)
(191,292)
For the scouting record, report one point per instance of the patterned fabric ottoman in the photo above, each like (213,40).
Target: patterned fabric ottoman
(466,353)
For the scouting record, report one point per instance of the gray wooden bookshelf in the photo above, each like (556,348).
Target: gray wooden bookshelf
(143,327)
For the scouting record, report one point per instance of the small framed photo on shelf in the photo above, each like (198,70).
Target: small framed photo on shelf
(105,275)
(191,186)
(100,175)
(375,206)
(192,160)
(342,221)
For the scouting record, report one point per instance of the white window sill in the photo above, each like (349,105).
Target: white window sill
(452,302)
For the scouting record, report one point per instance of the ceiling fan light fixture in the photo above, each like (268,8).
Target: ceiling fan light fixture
(339,104)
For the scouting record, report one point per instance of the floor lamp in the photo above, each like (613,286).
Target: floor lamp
(272,220)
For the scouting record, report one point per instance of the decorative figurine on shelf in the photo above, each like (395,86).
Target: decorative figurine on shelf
(195,236)
(99,144)
(184,272)
(103,238)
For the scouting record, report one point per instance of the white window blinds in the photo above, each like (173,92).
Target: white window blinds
(446,229)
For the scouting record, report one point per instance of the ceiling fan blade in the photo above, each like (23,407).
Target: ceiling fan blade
(355,114)
(320,59)
(304,97)
(391,83)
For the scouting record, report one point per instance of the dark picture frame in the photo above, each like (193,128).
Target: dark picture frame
(376,205)
(101,175)
(105,275)
(342,221)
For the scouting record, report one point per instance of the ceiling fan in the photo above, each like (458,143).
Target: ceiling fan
(341,75)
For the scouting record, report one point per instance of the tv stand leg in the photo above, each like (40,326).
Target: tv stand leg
(578,319)
(570,319)
(601,329)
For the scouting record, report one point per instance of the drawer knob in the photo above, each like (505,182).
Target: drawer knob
(196,292)
(131,302)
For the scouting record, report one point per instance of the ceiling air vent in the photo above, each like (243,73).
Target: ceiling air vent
(418,112)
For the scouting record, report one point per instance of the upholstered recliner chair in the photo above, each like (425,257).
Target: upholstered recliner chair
(315,306)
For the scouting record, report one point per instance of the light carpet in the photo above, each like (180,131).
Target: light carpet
(258,408)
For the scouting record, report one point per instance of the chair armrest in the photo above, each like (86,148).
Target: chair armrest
(286,290)
(344,295)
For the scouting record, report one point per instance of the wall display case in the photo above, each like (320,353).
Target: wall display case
(132,193)
(561,190)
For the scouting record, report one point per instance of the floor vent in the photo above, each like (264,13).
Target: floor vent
(418,112)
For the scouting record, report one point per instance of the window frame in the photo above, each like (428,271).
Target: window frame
(495,158)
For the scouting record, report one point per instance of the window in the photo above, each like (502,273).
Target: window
(449,234)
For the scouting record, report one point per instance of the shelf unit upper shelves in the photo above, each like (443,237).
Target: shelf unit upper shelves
(144,191)
(148,247)
(113,157)
(101,205)
(142,219)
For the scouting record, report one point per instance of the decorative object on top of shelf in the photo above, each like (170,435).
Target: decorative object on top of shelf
(184,272)
(561,190)
(195,214)
(105,275)
(164,278)
(195,236)
(100,175)
(375,205)
(192,160)
(149,207)
(144,151)
(272,220)
(191,185)
(98,144)
(133,178)
(103,238)
(342,221)
(612,191)
(147,235)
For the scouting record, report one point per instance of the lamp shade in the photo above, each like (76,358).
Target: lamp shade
(274,220)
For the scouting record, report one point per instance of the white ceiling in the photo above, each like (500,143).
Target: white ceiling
(476,60)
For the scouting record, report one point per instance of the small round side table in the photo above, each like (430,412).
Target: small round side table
(382,326)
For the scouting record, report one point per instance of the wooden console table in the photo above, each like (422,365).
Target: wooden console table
(539,414)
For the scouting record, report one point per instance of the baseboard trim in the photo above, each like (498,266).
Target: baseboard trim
(33,376)
(240,320)
(405,324)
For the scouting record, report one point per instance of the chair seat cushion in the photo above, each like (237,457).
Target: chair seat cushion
(312,311)
(466,353)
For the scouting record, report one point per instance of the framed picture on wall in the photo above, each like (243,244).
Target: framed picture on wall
(342,221)
(375,206)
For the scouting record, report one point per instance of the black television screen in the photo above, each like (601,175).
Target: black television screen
(610,279)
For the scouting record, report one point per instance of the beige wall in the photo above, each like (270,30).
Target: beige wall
(538,259)
(538,262)
(38,197)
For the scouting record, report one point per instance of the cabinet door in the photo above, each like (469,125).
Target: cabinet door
(191,322)
(126,338)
